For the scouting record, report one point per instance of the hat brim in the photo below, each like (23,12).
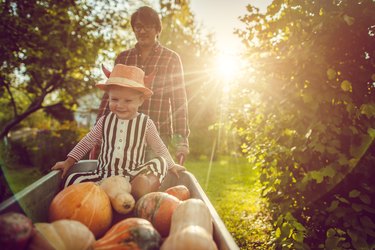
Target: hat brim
(146,91)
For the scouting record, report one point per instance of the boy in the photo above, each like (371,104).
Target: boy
(123,135)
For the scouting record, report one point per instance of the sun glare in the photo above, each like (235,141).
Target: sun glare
(227,66)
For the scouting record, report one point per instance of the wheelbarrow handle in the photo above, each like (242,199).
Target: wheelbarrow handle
(181,159)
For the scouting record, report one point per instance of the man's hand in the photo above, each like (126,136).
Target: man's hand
(176,169)
(181,146)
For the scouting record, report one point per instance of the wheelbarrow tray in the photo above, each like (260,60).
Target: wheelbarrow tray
(35,199)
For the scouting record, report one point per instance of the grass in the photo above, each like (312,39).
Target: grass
(233,189)
(19,178)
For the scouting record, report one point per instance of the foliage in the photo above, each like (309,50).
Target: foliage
(48,51)
(46,145)
(306,118)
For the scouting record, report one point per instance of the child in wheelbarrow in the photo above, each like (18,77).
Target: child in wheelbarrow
(123,134)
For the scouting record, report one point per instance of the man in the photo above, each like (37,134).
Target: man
(168,106)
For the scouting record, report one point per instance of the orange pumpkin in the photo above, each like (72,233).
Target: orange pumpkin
(180,191)
(128,234)
(157,207)
(85,202)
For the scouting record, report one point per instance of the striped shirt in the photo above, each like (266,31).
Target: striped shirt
(123,144)
(167,107)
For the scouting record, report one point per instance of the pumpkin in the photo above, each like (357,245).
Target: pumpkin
(191,212)
(180,191)
(118,189)
(157,207)
(85,202)
(189,238)
(130,233)
(64,235)
(191,227)
(15,230)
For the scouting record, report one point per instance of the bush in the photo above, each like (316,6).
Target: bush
(43,147)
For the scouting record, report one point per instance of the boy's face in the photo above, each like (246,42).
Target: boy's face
(124,102)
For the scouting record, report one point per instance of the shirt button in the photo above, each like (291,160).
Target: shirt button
(120,140)
(118,148)
(121,131)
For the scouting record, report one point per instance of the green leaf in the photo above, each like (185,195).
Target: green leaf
(346,86)
(348,19)
(317,176)
(343,200)
(365,199)
(357,207)
(354,193)
(331,74)
(298,236)
(278,232)
(357,151)
(366,222)
(333,206)
(371,131)
(331,232)
(368,109)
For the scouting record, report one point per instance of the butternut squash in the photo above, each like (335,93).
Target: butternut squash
(191,227)
(118,189)
(192,212)
(190,238)
(64,235)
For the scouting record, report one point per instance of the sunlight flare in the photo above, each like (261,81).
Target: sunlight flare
(227,66)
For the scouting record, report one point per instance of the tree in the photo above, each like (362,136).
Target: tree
(307,119)
(49,49)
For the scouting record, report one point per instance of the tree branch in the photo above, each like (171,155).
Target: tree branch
(12,101)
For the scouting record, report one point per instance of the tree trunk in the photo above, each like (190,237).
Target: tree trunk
(5,191)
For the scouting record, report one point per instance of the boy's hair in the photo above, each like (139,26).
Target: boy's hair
(147,15)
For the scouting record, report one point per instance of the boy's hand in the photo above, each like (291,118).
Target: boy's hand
(176,169)
(64,166)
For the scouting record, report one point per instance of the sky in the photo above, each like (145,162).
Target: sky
(222,17)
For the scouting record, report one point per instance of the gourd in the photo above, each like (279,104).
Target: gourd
(63,235)
(85,202)
(190,238)
(15,230)
(191,227)
(130,233)
(118,190)
(157,207)
(180,191)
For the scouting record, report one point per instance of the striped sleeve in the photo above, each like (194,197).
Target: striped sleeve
(158,147)
(93,138)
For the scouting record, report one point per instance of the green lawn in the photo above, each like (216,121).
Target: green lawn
(19,178)
(232,187)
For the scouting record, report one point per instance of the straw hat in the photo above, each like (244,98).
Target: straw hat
(126,76)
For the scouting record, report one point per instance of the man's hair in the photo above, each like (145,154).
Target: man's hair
(147,15)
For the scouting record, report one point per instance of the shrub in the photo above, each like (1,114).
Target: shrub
(45,147)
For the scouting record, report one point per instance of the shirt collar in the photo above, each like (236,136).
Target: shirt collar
(155,47)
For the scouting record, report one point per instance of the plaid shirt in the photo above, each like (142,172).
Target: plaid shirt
(167,107)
